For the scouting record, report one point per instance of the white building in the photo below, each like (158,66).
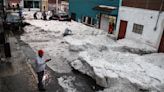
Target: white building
(142,20)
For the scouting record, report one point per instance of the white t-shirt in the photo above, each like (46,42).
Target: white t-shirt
(40,64)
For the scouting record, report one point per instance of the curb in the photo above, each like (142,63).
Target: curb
(32,70)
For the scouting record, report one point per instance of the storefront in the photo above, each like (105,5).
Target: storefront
(31,3)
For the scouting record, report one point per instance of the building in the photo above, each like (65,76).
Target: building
(12,2)
(39,4)
(61,5)
(96,13)
(53,4)
(142,20)
(35,4)
(64,6)
(32,4)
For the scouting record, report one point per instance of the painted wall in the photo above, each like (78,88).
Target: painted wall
(85,7)
(148,18)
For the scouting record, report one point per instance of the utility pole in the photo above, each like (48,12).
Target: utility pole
(57,5)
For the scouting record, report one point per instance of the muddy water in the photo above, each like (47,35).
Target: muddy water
(73,81)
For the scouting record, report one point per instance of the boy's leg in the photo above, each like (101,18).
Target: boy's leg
(40,78)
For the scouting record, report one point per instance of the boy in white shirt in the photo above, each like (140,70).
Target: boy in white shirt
(40,68)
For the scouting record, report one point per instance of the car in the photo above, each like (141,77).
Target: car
(64,17)
(54,17)
(13,20)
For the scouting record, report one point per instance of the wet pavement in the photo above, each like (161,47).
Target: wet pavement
(15,75)
(19,82)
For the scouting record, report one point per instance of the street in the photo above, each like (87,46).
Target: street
(92,53)
(81,46)
(73,80)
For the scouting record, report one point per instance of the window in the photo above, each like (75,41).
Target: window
(28,4)
(88,20)
(31,4)
(36,4)
(137,28)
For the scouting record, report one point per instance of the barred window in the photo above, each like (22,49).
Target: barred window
(137,28)
(88,20)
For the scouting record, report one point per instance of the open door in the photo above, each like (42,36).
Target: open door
(161,46)
(104,23)
(122,30)
(73,16)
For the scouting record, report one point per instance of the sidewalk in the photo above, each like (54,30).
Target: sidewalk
(16,76)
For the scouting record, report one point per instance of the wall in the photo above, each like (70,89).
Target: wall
(44,5)
(144,4)
(85,7)
(148,18)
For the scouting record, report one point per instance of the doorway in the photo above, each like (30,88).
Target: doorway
(161,46)
(73,16)
(106,20)
(122,30)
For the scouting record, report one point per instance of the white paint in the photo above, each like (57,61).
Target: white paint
(148,18)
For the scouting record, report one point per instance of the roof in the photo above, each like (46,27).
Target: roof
(105,8)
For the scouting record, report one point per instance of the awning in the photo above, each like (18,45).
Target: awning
(105,8)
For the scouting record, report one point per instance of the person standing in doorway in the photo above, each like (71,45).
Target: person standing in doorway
(40,68)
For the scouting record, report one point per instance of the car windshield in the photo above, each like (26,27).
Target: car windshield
(13,17)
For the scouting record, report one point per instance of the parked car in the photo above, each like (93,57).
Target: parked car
(13,20)
(54,17)
(64,17)
(60,17)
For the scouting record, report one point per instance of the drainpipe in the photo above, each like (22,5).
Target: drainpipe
(160,11)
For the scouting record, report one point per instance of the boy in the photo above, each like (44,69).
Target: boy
(40,68)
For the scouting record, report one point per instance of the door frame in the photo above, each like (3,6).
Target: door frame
(100,20)
(160,45)
(73,16)
(119,33)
